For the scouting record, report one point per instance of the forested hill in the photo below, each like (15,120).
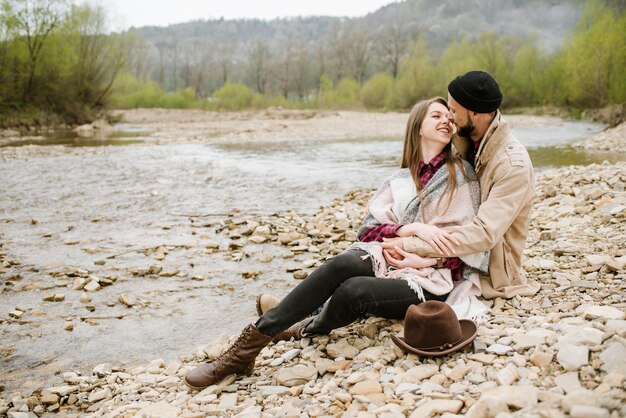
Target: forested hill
(438,22)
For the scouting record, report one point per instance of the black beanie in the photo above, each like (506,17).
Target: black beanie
(477,91)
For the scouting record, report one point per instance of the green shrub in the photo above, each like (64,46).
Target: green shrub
(236,96)
(377,91)
(347,92)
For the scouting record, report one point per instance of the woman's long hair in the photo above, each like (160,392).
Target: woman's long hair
(412,153)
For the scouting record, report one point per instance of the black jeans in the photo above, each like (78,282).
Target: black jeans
(354,292)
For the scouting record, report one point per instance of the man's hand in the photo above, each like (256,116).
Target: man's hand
(407,260)
(441,241)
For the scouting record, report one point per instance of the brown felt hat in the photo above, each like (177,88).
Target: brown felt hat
(432,329)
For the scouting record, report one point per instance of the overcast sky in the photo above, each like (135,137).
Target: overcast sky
(126,13)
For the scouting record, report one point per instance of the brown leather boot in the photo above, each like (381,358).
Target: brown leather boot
(238,359)
(296,331)
(265,302)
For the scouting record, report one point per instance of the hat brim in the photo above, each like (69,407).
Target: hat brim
(469,329)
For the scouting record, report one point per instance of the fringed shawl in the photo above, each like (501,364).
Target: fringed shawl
(397,201)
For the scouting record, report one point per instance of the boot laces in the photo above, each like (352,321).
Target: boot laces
(233,348)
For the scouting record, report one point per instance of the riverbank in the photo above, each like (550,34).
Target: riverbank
(560,352)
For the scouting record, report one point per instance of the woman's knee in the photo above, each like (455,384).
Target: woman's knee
(350,264)
(353,290)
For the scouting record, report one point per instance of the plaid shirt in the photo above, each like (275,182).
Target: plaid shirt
(473,151)
(377,233)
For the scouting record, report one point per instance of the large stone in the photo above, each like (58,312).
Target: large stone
(342,349)
(578,397)
(437,407)
(568,382)
(488,407)
(63,390)
(524,341)
(604,312)
(499,349)
(586,411)
(161,409)
(614,358)
(482,358)
(541,358)
(19,414)
(228,401)
(296,375)
(583,336)
(275,390)
(508,375)
(419,373)
(517,397)
(572,357)
(366,387)
(99,395)
(595,259)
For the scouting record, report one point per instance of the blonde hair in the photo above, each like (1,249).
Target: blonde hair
(412,153)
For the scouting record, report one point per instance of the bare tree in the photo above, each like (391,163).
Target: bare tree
(284,66)
(258,57)
(224,55)
(393,42)
(360,46)
(301,72)
(35,20)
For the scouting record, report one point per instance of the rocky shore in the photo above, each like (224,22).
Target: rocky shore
(560,353)
(612,139)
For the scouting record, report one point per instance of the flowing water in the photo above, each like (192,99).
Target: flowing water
(89,201)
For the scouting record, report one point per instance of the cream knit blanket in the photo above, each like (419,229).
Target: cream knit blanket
(396,201)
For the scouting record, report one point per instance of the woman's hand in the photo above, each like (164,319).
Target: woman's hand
(407,260)
(441,241)
(390,244)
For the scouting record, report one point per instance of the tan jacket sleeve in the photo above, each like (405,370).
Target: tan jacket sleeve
(496,214)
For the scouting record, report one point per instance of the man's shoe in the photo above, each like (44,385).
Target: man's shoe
(265,302)
(238,360)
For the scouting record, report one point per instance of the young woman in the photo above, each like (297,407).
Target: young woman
(433,187)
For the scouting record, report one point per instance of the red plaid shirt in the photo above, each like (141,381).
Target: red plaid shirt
(473,151)
(377,233)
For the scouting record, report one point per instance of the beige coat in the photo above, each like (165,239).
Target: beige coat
(507,182)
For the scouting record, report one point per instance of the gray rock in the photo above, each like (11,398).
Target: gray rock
(586,411)
(437,407)
(517,397)
(568,382)
(614,358)
(161,409)
(604,312)
(572,357)
(499,349)
(578,397)
(296,375)
(419,373)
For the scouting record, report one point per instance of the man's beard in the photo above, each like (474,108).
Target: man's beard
(466,131)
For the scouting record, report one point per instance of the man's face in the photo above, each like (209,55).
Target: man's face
(461,117)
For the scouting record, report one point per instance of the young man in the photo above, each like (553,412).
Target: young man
(506,178)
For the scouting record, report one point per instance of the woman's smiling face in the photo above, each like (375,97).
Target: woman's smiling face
(436,127)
